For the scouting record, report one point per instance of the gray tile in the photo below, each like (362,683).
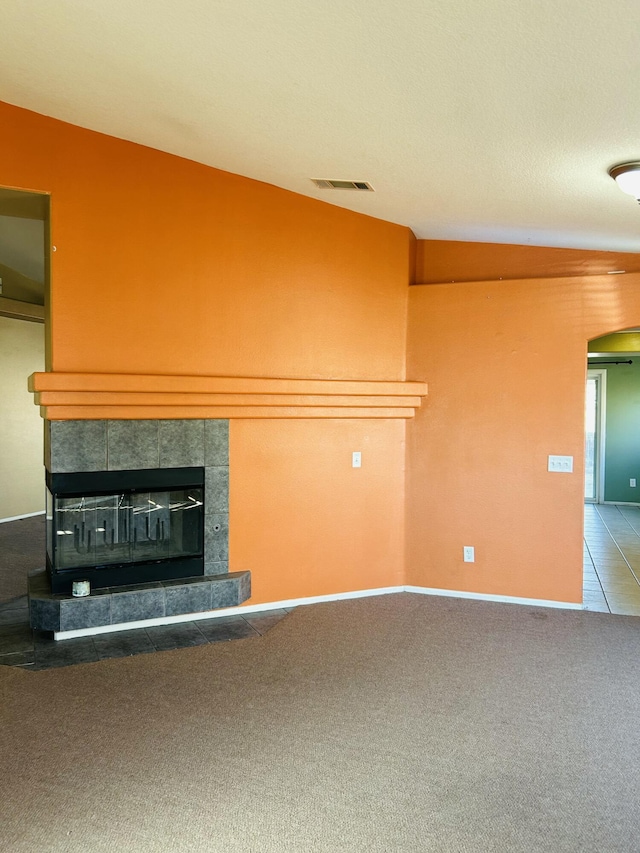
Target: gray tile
(47,445)
(77,446)
(181,443)
(18,659)
(596,608)
(607,557)
(55,653)
(614,569)
(44,613)
(265,620)
(123,644)
(187,597)
(593,597)
(15,638)
(593,591)
(91,611)
(216,537)
(216,490)
(617,601)
(20,602)
(133,605)
(132,445)
(135,587)
(225,592)
(216,442)
(226,628)
(623,609)
(14,616)
(180,636)
(216,568)
(244,591)
(630,584)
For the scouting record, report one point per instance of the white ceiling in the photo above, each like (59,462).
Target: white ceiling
(484,120)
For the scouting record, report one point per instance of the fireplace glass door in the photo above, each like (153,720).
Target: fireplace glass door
(103,530)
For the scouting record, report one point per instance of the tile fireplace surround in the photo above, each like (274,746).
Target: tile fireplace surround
(117,445)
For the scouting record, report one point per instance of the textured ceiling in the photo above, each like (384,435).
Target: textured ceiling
(486,121)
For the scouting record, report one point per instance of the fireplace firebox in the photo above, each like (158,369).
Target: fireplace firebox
(117,528)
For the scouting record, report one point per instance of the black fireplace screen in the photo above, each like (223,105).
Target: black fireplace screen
(123,527)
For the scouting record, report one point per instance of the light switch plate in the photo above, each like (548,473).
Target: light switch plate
(564,464)
(356,459)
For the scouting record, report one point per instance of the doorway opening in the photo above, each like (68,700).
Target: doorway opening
(24,288)
(612,419)
(611,578)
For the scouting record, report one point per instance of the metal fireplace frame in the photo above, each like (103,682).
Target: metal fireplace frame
(123,482)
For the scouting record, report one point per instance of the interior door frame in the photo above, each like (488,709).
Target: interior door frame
(600,375)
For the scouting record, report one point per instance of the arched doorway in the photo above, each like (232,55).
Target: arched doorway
(612,475)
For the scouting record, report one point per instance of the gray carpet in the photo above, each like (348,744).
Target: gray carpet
(22,549)
(396,723)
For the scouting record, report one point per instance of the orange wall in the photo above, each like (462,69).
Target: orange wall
(163,265)
(303,520)
(440,261)
(506,364)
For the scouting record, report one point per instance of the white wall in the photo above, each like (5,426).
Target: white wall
(21,427)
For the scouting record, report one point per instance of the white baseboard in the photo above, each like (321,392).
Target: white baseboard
(20,517)
(301,602)
(503,599)
(226,611)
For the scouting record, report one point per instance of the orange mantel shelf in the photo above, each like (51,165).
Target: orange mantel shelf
(90,396)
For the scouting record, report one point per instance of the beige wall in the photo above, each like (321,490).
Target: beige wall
(21,428)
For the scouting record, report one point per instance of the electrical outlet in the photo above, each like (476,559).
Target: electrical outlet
(632,482)
(469,553)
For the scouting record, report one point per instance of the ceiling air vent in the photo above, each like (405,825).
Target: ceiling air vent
(328,184)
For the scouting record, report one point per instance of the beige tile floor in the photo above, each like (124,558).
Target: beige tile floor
(612,559)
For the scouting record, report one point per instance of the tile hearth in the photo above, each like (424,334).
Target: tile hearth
(119,605)
(20,646)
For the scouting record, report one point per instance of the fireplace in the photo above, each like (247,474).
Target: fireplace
(140,508)
(124,527)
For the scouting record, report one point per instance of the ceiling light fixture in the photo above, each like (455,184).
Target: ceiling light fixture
(627,177)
